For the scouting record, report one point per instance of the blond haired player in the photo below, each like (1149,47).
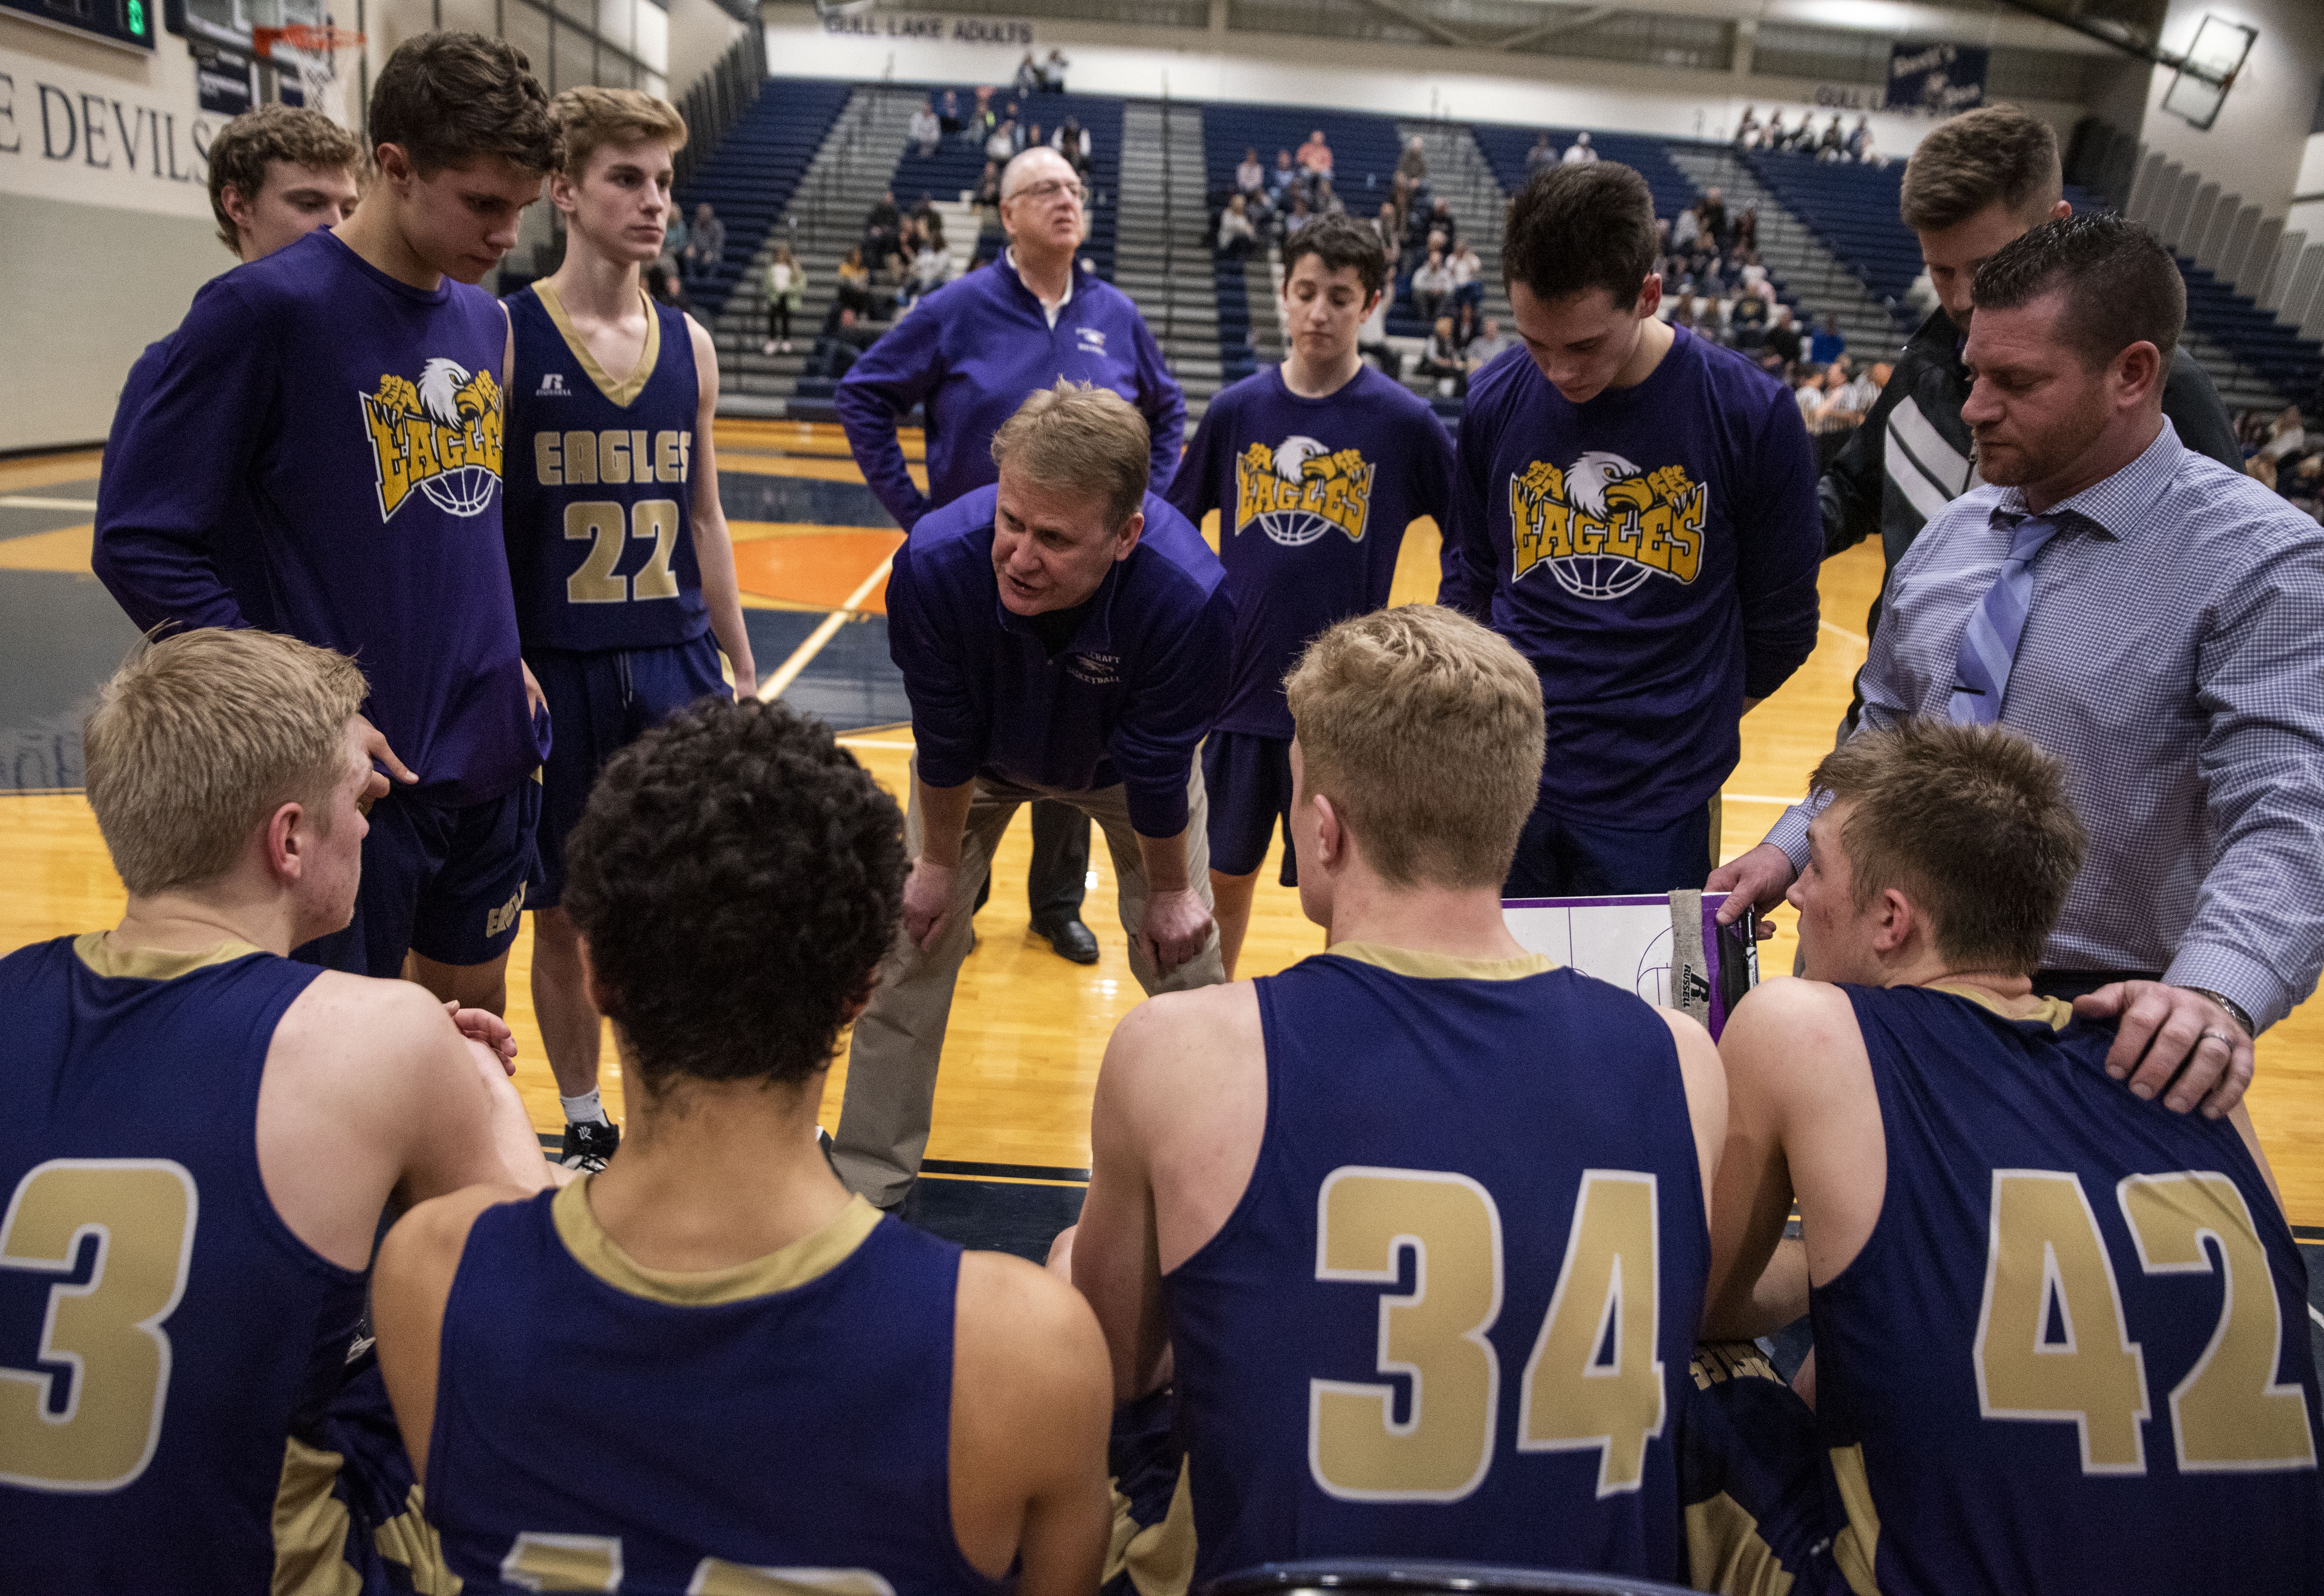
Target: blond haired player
(1387,1211)
(202,1134)
(623,573)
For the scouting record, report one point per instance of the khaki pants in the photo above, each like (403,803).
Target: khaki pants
(891,1061)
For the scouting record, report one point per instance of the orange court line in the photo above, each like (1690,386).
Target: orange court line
(803,438)
(821,568)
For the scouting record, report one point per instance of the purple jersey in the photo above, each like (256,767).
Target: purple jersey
(1653,552)
(1313,496)
(336,433)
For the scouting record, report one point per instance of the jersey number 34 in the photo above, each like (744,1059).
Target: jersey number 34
(1593,1381)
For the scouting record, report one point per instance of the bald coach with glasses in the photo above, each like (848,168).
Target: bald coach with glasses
(971,353)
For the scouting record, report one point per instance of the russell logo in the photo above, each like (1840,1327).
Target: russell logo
(552,386)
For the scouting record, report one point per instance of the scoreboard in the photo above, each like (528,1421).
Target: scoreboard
(128,22)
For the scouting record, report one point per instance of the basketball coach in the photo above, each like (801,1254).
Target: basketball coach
(2151,617)
(1062,634)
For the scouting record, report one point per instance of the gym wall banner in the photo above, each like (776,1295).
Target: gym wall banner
(1935,80)
(885,27)
(137,139)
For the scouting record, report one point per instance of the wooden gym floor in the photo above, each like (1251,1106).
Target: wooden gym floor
(1010,1142)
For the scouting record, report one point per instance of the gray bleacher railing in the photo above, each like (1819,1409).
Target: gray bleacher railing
(719,96)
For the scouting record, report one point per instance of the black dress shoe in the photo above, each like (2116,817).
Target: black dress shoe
(1069,939)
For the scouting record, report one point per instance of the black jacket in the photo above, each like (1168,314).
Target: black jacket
(1912,456)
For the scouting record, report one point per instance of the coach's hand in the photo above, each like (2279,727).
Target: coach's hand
(375,742)
(1756,879)
(1175,928)
(927,902)
(2174,1042)
(535,700)
(487,1030)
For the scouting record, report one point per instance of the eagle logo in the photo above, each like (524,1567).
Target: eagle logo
(1604,526)
(441,436)
(1301,489)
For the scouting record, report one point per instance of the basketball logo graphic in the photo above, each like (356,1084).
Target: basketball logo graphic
(440,435)
(1300,489)
(1604,526)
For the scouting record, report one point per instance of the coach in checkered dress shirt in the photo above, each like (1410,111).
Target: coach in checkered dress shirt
(2172,657)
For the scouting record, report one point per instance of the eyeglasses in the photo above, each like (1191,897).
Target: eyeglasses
(1050,190)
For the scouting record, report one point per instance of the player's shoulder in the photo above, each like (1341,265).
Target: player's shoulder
(1789,1023)
(1731,379)
(358,1021)
(1509,380)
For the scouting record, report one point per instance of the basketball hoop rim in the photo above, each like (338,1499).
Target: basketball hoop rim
(305,38)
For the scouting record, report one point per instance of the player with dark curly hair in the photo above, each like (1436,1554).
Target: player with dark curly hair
(671,1374)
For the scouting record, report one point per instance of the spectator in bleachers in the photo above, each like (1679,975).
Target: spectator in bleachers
(988,187)
(1414,162)
(1488,345)
(882,226)
(1371,339)
(1747,127)
(1390,230)
(1777,135)
(1251,177)
(1440,219)
(1859,140)
(1468,276)
(1686,229)
(1833,144)
(948,119)
(1443,360)
(1578,152)
(1431,285)
(706,245)
(1540,155)
(840,344)
(1783,337)
(1002,145)
(786,288)
(982,121)
(1237,237)
(854,284)
(1299,216)
(2285,438)
(1324,202)
(932,267)
(1279,181)
(1315,156)
(1614,409)
(926,129)
(1976,182)
(1072,141)
(673,239)
(1746,324)
(1713,214)
(1053,72)
(1029,77)
(1034,138)
(1825,343)
(1747,229)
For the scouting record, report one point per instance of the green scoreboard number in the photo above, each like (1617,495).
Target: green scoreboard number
(117,22)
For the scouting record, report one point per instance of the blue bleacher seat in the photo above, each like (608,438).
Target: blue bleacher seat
(750,177)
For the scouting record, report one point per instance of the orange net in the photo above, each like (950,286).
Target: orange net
(304,37)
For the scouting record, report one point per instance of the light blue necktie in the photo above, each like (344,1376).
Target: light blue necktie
(1989,642)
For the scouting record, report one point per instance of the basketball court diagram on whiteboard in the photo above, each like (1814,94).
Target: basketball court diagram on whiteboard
(1669,948)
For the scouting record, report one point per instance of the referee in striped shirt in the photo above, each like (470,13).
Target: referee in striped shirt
(2154,619)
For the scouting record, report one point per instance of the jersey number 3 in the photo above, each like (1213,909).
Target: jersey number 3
(88,1417)
(608,527)
(1593,1381)
(2053,1344)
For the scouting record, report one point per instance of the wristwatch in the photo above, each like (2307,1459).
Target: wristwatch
(2235,1010)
